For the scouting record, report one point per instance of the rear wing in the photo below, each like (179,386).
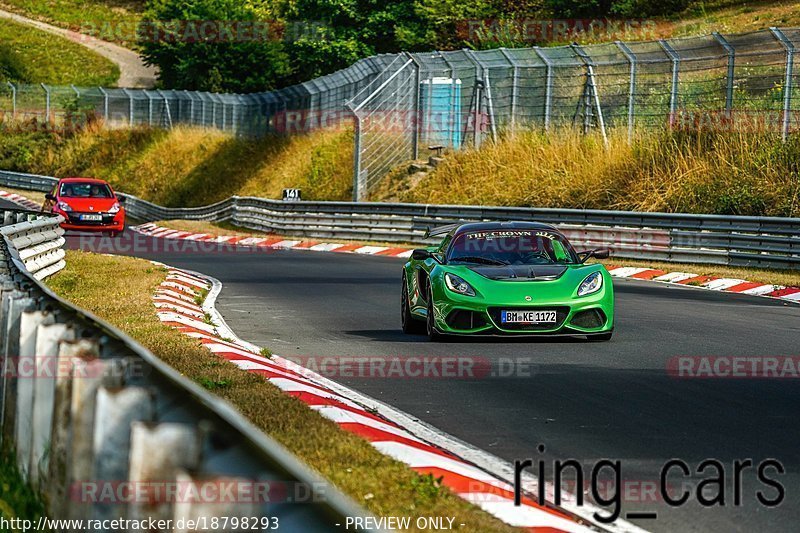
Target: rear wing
(441,230)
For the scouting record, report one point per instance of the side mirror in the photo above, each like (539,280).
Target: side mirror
(602,253)
(421,254)
(120,199)
(50,197)
(598,253)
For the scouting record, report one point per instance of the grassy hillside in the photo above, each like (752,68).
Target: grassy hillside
(190,167)
(28,55)
(731,16)
(733,173)
(113,19)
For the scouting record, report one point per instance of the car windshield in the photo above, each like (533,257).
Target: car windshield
(85,190)
(512,247)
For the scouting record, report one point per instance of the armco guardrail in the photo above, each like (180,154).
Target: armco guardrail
(770,242)
(38,243)
(103,429)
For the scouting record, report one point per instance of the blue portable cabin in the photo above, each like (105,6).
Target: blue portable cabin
(440,109)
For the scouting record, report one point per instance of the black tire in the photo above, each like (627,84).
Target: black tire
(433,335)
(601,337)
(409,324)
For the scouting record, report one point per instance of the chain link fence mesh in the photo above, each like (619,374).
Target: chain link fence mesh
(407,106)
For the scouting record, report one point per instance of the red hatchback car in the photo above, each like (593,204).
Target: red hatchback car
(86,204)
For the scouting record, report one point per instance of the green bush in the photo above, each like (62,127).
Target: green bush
(12,68)
(225,65)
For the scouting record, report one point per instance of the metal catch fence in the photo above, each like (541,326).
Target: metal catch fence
(404,104)
(311,105)
(457,99)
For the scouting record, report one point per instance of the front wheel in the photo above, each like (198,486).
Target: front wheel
(409,323)
(429,322)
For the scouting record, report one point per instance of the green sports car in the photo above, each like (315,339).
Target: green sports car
(506,278)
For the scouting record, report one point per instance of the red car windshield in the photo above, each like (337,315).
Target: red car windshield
(85,190)
(512,247)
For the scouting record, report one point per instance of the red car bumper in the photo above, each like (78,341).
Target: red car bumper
(108,222)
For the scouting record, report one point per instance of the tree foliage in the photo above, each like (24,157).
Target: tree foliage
(220,63)
(310,38)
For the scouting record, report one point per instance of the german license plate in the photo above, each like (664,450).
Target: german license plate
(92,218)
(528,317)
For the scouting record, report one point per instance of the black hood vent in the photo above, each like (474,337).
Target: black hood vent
(520,272)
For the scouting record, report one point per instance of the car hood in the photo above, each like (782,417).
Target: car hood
(89,204)
(520,272)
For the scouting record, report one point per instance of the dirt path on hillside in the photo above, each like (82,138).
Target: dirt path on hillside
(133,72)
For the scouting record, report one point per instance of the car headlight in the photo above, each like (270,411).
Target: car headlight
(64,206)
(591,284)
(114,208)
(456,284)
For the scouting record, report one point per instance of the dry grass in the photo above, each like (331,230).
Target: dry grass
(119,289)
(191,166)
(732,173)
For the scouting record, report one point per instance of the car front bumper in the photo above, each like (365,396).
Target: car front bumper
(108,222)
(460,315)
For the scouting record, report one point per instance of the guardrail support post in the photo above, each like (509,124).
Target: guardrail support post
(115,411)
(48,342)
(548,88)
(207,509)
(157,453)
(26,378)
(731,70)
(673,93)
(88,375)
(787,84)
(60,444)
(13,308)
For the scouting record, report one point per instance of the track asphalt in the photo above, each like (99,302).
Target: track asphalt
(584,401)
